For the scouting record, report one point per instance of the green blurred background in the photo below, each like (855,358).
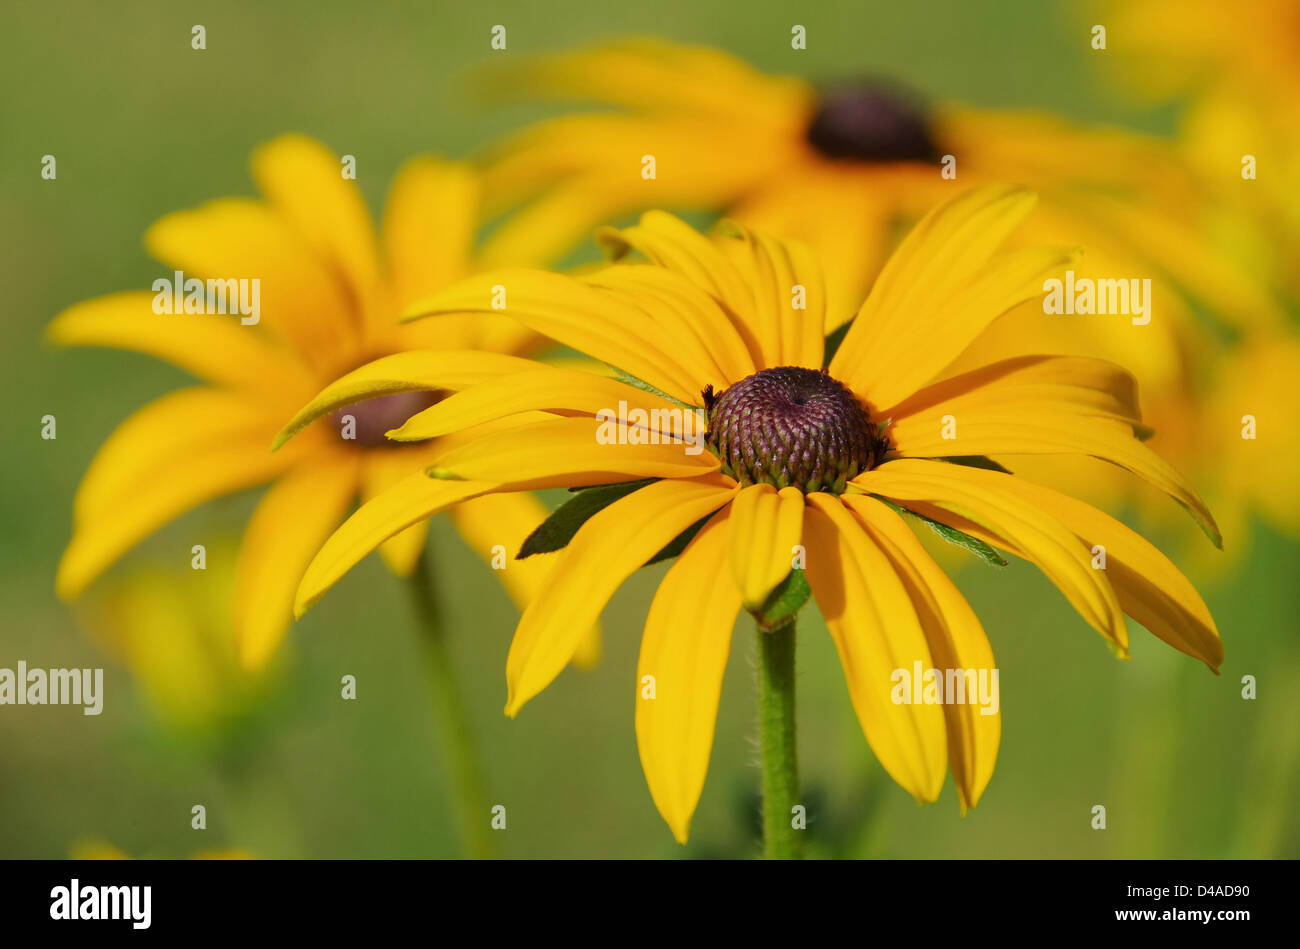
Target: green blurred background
(142,125)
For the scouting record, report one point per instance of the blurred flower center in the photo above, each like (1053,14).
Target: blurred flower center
(862,122)
(364,423)
(791,426)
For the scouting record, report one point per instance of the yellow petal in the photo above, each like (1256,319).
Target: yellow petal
(215,348)
(1150,588)
(877,633)
(412,499)
(671,243)
(789,312)
(939,290)
(430,222)
(292,520)
(765,529)
(692,320)
(602,554)
(124,502)
(956,640)
(1037,536)
(1030,429)
(495,527)
(303,180)
(684,653)
(416,371)
(1073,384)
(602,324)
(570,452)
(384,468)
(302,299)
(547,389)
(179,424)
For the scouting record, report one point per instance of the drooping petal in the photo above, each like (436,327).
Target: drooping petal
(1045,428)
(415,371)
(495,527)
(602,324)
(604,552)
(1037,536)
(571,452)
(878,636)
(546,389)
(957,642)
(215,348)
(292,520)
(412,499)
(765,526)
(679,674)
(939,290)
(1150,588)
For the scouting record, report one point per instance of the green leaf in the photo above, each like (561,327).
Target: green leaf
(784,602)
(972,544)
(556,531)
(975,461)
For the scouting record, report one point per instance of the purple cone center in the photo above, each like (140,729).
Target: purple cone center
(364,423)
(863,122)
(792,427)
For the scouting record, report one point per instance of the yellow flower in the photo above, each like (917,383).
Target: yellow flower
(1235,66)
(796,458)
(840,168)
(330,290)
(843,167)
(171,627)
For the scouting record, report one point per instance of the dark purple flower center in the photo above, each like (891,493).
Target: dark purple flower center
(364,423)
(792,427)
(862,122)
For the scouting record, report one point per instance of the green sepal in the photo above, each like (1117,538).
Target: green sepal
(783,602)
(631,380)
(972,544)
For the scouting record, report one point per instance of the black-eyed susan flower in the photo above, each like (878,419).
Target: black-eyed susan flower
(330,292)
(840,167)
(845,165)
(793,478)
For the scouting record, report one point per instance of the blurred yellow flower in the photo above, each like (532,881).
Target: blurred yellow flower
(171,627)
(796,468)
(1235,66)
(330,290)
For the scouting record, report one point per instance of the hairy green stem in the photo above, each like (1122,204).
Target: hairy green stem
(464,775)
(776,732)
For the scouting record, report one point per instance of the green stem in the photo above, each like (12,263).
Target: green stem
(461,766)
(776,733)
